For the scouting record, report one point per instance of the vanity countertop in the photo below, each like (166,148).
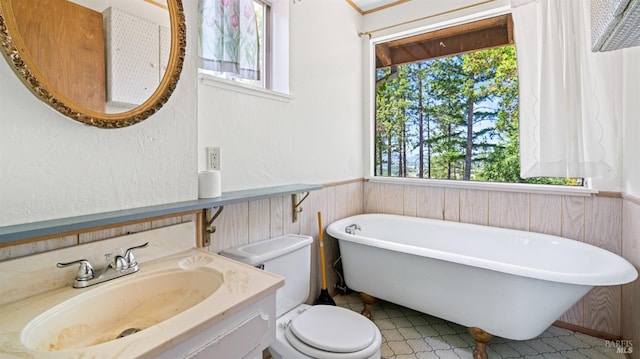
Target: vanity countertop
(238,286)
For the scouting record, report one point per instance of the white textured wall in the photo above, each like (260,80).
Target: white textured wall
(631,125)
(317,137)
(409,15)
(53,167)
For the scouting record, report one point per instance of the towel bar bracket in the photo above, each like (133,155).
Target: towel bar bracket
(295,205)
(209,228)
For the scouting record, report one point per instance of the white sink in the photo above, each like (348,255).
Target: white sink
(189,303)
(126,305)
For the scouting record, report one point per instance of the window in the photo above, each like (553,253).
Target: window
(447,105)
(243,56)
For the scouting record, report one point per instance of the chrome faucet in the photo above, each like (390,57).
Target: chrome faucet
(117,266)
(351,229)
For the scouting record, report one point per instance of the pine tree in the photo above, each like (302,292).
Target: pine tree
(457,112)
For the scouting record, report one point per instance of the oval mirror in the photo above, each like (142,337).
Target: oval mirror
(107,64)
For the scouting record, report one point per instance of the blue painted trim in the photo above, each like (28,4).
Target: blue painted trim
(74,224)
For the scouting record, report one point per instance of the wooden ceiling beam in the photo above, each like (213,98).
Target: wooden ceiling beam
(383,55)
(452,46)
(488,33)
(500,21)
(510,29)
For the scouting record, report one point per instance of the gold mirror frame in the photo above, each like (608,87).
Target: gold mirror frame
(14,51)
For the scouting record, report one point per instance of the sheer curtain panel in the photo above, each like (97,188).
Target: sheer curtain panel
(570,98)
(229,38)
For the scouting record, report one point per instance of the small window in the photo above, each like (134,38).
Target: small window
(213,57)
(447,105)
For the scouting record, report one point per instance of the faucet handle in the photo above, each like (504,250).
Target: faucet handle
(129,258)
(85,271)
(116,262)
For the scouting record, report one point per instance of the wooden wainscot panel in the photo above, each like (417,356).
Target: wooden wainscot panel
(509,210)
(32,247)
(393,202)
(277,216)
(232,227)
(630,312)
(410,201)
(259,220)
(35,245)
(431,202)
(603,228)
(374,197)
(474,206)
(452,204)
(546,214)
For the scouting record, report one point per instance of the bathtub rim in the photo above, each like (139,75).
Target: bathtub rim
(625,272)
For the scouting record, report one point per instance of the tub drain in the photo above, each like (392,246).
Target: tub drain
(128,332)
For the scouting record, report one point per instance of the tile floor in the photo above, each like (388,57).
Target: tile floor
(408,334)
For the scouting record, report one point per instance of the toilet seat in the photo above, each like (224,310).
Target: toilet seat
(330,332)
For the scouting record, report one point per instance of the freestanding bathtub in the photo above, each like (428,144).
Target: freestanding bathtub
(509,283)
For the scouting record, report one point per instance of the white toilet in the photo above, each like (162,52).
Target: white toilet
(304,331)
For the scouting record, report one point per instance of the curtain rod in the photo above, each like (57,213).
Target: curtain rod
(423,18)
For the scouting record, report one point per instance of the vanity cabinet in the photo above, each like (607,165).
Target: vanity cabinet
(245,334)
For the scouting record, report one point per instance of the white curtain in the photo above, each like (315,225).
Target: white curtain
(570,98)
(229,38)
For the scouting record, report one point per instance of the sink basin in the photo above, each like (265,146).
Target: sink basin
(120,308)
(183,302)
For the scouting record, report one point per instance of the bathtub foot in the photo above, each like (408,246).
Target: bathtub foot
(368,301)
(482,338)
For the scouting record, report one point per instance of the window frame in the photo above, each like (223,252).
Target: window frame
(275,86)
(267,58)
(430,25)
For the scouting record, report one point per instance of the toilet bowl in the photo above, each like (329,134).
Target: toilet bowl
(304,331)
(325,332)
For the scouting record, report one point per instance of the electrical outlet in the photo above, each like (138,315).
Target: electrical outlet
(213,158)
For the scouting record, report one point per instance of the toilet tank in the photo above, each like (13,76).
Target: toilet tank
(288,256)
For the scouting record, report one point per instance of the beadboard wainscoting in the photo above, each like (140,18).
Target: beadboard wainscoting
(249,222)
(631,252)
(592,219)
(43,244)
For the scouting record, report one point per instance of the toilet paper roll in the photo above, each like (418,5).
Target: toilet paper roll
(209,184)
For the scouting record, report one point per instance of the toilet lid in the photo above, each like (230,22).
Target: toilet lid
(334,329)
